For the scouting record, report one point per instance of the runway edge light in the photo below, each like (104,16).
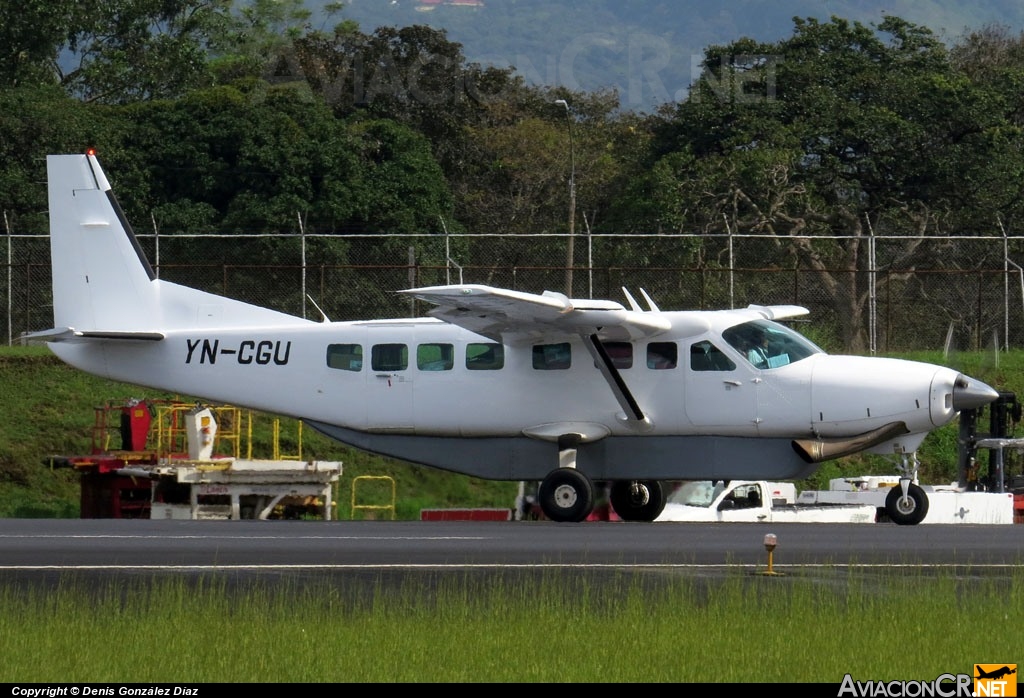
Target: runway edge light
(770,541)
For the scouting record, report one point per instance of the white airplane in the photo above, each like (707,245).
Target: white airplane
(500,384)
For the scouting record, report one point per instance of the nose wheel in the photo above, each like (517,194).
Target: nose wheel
(906,504)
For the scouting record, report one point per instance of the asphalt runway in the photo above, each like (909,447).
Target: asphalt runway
(42,553)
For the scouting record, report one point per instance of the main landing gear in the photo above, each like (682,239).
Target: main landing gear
(637,500)
(566,494)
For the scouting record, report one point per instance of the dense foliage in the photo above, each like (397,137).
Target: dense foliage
(241,117)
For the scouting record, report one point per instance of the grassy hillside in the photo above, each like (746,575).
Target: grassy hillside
(48,409)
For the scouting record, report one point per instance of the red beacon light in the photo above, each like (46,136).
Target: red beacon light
(90,151)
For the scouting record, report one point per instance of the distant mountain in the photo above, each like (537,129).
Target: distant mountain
(649,50)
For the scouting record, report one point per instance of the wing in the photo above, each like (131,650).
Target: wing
(513,316)
(777,312)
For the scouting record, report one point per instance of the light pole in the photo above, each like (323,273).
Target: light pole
(569,252)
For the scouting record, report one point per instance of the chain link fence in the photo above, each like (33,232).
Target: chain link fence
(865,295)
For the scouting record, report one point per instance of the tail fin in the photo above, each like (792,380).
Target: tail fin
(103,286)
(101,279)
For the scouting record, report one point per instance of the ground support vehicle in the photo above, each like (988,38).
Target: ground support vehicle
(755,501)
(182,461)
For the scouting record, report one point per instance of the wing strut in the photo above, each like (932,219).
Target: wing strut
(620,390)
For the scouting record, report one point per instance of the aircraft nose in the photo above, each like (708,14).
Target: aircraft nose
(970,394)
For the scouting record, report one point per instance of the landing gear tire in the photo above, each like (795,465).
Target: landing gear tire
(907,511)
(566,494)
(637,500)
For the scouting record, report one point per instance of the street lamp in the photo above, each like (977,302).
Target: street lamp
(572,202)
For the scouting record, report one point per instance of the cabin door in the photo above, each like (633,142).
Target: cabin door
(389,404)
(720,391)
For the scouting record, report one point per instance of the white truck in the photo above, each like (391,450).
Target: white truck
(945,503)
(756,501)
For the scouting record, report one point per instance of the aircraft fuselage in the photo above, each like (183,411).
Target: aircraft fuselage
(371,382)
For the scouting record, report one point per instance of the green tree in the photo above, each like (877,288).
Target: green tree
(520,159)
(258,41)
(413,75)
(36,121)
(32,34)
(993,58)
(126,50)
(258,158)
(252,159)
(840,130)
(120,51)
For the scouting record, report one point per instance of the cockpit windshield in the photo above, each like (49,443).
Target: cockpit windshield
(767,344)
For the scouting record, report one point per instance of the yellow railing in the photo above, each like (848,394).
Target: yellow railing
(168,429)
(373,507)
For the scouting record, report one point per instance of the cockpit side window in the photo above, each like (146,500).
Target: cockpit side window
(766,344)
(705,356)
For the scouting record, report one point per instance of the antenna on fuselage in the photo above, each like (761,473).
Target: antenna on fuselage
(322,313)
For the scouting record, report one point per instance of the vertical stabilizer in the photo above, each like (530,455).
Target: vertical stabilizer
(101,279)
(103,286)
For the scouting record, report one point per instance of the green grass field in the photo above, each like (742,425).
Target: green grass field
(745,628)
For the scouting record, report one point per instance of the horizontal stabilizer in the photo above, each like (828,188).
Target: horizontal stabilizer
(70,334)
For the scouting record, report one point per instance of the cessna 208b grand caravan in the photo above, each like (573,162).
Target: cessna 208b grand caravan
(500,384)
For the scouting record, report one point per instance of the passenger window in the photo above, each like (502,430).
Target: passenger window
(552,357)
(389,357)
(705,356)
(662,355)
(621,353)
(435,357)
(347,357)
(485,356)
